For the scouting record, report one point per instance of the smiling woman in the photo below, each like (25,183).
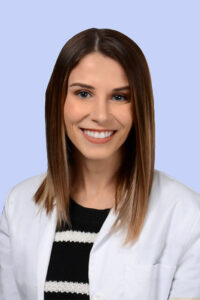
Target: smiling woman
(101,222)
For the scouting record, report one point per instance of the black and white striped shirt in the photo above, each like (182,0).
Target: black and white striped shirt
(67,275)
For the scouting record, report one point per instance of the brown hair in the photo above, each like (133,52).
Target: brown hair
(135,176)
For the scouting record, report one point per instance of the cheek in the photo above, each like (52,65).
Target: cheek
(125,116)
(72,112)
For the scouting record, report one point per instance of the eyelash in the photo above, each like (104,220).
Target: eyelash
(83,91)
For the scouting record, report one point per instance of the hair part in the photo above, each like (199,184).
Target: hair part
(135,176)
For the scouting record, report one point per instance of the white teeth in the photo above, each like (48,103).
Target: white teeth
(97,134)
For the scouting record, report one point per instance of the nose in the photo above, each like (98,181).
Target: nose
(100,110)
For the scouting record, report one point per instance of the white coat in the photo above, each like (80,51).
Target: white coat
(163,264)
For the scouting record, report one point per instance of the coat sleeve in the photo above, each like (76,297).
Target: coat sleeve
(8,287)
(186,283)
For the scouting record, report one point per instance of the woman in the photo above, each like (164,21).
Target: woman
(101,223)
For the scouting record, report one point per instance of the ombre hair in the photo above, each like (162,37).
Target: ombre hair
(135,175)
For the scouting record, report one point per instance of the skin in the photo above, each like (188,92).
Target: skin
(98,108)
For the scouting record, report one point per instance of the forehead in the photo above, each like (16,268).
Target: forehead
(98,67)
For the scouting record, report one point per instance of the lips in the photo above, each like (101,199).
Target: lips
(96,140)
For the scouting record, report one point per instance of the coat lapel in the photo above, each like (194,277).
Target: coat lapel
(45,242)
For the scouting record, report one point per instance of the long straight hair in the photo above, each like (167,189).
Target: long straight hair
(135,175)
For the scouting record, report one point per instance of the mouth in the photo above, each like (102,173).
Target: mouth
(103,136)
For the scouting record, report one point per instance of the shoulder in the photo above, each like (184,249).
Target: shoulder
(173,201)
(169,189)
(20,197)
(28,186)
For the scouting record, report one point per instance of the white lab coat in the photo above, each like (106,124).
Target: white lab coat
(163,264)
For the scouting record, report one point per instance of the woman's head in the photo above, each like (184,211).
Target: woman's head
(98,99)
(122,62)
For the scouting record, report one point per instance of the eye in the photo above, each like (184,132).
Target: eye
(82,94)
(119,97)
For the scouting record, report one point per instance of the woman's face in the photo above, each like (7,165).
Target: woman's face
(98,107)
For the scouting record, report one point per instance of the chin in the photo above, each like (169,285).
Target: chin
(96,156)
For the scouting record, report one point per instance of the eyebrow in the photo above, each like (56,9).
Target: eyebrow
(92,88)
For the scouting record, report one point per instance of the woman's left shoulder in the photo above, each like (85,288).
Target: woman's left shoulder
(169,191)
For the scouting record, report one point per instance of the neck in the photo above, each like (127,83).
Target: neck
(94,178)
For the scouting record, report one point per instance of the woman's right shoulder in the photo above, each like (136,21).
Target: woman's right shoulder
(29,184)
(20,197)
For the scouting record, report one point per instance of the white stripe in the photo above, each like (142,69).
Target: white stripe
(66,287)
(75,236)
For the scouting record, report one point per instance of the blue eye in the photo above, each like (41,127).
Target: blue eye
(82,93)
(125,98)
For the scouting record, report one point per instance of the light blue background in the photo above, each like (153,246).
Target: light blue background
(33,33)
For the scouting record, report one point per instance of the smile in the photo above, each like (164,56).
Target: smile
(97,134)
(98,137)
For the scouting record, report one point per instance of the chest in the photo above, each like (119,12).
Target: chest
(139,272)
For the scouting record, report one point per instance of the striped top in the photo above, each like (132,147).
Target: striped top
(67,275)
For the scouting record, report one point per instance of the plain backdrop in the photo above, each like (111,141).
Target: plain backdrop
(32,35)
